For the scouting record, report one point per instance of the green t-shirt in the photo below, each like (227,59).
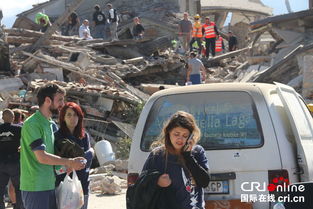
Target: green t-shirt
(34,175)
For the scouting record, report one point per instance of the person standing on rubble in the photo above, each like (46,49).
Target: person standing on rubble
(138,30)
(113,21)
(73,24)
(42,20)
(185,31)
(72,128)
(9,157)
(196,70)
(232,42)
(210,33)
(219,45)
(196,33)
(37,151)
(99,22)
(84,27)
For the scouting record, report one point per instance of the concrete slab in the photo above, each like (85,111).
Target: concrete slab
(296,82)
(251,72)
(289,36)
(281,54)
(10,84)
(44,76)
(105,104)
(56,71)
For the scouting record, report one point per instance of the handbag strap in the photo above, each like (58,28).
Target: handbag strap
(166,160)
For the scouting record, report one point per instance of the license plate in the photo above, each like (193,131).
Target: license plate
(217,187)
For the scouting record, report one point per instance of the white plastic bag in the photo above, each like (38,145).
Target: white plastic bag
(69,193)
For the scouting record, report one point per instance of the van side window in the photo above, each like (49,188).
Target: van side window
(228,120)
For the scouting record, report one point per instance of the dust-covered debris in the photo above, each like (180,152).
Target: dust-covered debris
(111,80)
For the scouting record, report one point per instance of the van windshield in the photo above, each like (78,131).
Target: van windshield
(228,120)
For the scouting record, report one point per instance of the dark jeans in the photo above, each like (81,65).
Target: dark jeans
(99,31)
(10,171)
(209,45)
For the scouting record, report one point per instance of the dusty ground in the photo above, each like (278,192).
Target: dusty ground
(97,201)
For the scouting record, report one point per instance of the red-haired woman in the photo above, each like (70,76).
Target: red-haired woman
(71,127)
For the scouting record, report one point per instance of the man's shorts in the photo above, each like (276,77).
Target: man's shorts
(39,200)
(195,79)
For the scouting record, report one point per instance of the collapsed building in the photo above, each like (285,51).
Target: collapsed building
(290,53)
(4,52)
(112,80)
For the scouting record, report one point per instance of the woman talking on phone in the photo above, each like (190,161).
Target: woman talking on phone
(181,162)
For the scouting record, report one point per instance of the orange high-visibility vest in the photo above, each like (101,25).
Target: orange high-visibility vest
(197,30)
(209,31)
(219,44)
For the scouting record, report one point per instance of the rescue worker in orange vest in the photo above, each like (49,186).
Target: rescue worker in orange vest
(209,32)
(219,45)
(196,33)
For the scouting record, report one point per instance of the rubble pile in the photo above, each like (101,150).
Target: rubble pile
(100,76)
(109,179)
(4,55)
(278,49)
(112,80)
(106,184)
(289,50)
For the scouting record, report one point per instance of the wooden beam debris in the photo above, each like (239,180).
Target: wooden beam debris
(68,66)
(229,54)
(36,34)
(133,60)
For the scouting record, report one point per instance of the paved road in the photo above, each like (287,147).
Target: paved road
(98,201)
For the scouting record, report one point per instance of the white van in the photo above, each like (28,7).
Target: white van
(256,136)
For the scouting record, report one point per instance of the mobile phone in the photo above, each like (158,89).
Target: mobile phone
(186,144)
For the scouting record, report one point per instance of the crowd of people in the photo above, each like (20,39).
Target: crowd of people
(205,38)
(201,40)
(33,150)
(28,150)
(102,22)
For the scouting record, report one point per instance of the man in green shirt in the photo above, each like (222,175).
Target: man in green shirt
(42,20)
(37,180)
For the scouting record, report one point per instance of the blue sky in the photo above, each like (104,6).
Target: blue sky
(12,7)
(279,6)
